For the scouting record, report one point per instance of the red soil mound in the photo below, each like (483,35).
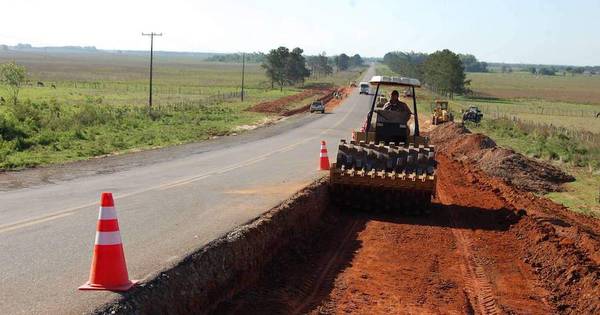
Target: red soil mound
(514,168)
(278,106)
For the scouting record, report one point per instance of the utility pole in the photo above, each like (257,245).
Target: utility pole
(243,72)
(151,61)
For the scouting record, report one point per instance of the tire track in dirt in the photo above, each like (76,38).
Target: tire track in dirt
(316,286)
(478,286)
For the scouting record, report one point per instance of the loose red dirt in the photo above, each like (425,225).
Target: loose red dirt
(514,168)
(279,105)
(488,247)
(344,92)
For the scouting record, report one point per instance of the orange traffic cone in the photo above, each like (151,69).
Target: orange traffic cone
(324,159)
(109,271)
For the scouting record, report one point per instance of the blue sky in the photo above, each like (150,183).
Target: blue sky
(549,32)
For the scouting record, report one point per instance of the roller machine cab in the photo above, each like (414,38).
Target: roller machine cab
(384,166)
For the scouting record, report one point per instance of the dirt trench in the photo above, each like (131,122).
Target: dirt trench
(488,247)
(460,259)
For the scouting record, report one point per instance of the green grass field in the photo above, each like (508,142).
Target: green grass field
(578,156)
(564,101)
(99,105)
(123,79)
(546,117)
(577,89)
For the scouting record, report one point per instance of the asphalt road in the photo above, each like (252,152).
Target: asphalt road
(166,209)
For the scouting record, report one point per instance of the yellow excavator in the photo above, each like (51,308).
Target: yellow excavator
(440,113)
(385,166)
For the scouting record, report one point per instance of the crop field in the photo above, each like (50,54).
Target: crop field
(117,79)
(564,101)
(123,79)
(580,88)
(94,104)
(547,117)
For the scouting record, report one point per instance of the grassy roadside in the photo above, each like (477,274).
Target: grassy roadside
(578,156)
(66,124)
(43,133)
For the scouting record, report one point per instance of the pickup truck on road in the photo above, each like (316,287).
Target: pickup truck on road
(317,106)
(364,88)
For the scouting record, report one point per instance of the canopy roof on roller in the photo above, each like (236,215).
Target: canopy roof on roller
(397,81)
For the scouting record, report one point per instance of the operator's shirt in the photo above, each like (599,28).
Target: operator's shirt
(396,106)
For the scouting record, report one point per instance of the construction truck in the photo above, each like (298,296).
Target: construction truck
(472,114)
(381,101)
(385,166)
(364,88)
(440,113)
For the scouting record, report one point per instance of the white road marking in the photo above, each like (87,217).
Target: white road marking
(67,212)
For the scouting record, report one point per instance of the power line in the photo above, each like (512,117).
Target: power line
(151,62)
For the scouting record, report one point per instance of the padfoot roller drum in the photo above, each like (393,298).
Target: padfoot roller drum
(384,177)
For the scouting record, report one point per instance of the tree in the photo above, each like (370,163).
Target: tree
(324,67)
(472,64)
(547,71)
(296,70)
(406,64)
(506,69)
(313,64)
(342,62)
(579,70)
(356,61)
(284,67)
(274,65)
(13,76)
(445,73)
(532,70)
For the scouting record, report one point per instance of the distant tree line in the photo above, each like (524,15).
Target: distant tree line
(506,69)
(408,64)
(472,64)
(553,70)
(442,71)
(344,62)
(285,67)
(545,69)
(255,57)
(319,65)
(577,70)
